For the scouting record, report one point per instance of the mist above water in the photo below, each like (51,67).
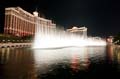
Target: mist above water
(55,38)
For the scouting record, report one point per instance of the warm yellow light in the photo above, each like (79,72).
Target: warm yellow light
(35,13)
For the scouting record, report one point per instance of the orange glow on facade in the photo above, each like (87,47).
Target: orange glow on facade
(19,22)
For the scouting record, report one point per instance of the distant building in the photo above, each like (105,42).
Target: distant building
(82,31)
(19,22)
(110,39)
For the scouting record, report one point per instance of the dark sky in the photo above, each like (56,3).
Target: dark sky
(101,17)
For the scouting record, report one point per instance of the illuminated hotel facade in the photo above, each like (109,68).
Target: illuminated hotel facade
(82,31)
(19,22)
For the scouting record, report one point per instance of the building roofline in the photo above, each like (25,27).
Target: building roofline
(19,8)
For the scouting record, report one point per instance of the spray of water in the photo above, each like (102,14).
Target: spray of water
(53,38)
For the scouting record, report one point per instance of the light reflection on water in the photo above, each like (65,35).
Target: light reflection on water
(24,63)
(68,55)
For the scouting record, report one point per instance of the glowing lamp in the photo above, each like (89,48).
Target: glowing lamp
(35,13)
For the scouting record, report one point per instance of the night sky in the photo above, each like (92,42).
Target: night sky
(101,17)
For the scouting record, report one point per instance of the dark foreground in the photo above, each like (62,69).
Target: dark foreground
(66,63)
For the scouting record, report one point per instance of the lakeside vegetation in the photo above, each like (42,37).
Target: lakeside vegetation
(14,39)
(116,39)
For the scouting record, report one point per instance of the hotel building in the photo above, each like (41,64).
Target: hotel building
(82,31)
(19,22)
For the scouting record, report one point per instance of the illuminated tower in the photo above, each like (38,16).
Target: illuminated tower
(35,13)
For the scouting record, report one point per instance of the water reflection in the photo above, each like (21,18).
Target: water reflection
(71,56)
(116,57)
(75,58)
(117,54)
(110,53)
(65,63)
(16,64)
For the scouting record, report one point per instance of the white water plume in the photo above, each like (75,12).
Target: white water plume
(47,38)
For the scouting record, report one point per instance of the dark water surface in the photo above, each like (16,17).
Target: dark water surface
(66,63)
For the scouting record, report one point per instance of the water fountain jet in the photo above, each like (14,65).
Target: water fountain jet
(60,39)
